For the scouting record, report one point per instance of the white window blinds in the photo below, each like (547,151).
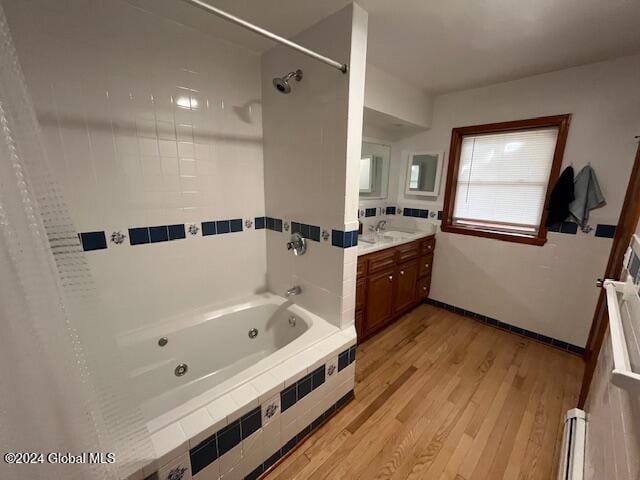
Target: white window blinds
(503,178)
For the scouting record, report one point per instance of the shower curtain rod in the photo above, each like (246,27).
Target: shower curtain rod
(343,67)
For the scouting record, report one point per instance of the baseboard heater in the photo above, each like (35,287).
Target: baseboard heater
(573,443)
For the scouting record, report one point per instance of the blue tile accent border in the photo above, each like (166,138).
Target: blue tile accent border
(370,212)
(303,387)
(224,440)
(93,241)
(270,462)
(260,222)
(274,224)
(415,212)
(606,231)
(346,358)
(390,210)
(567,347)
(311,232)
(344,239)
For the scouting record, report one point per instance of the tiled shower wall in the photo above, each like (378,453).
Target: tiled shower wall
(312,141)
(150,123)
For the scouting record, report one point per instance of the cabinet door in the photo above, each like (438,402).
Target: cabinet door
(426,263)
(360,326)
(361,298)
(379,299)
(424,284)
(405,295)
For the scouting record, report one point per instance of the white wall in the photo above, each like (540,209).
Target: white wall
(312,141)
(549,289)
(105,77)
(613,414)
(392,95)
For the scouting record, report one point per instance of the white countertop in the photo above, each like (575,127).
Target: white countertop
(390,237)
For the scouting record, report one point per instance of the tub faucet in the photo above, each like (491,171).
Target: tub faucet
(296,290)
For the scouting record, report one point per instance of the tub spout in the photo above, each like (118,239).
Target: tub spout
(294,291)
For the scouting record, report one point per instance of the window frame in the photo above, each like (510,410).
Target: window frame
(457,134)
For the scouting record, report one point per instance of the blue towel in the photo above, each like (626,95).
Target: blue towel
(587,195)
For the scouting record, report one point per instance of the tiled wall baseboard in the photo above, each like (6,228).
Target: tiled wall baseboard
(559,344)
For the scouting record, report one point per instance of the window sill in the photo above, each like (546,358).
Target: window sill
(505,237)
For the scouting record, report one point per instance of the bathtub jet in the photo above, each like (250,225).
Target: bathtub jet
(282,83)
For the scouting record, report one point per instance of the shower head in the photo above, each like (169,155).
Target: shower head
(282,83)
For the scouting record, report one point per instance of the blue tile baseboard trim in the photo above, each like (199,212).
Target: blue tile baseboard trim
(300,437)
(510,328)
(344,239)
(311,232)
(216,445)
(303,387)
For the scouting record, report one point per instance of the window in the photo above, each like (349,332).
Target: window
(500,177)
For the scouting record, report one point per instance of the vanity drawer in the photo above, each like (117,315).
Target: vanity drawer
(382,260)
(422,288)
(428,245)
(426,264)
(362,267)
(408,251)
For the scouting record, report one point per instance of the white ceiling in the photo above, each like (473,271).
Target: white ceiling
(447,45)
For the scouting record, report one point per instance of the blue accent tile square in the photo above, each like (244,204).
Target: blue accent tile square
(337,238)
(222,226)
(304,387)
(287,398)
(270,223)
(277,224)
(305,431)
(407,212)
(260,223)
(251,422)
(352,354)
(344,399)
(314,233)
(554,227)
(531,334)
(370,212)
(304,230)
(93,241)
(317,422)
(517,329)
(176,232)
(208,228)
(606,231)
(235,225)
(229,437)
(271,461)
(318,377)
(138,236)
(391,210)
(569,227)
(343,360)
(439,214)
(545,339)
(503,326)
(296,227)
(203,454)
(423,213)
(159,234)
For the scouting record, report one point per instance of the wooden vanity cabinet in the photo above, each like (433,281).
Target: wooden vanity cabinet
(391,282)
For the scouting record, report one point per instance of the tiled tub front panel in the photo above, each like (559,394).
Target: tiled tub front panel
(252,440)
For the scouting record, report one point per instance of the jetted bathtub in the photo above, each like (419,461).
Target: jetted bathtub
(184,364)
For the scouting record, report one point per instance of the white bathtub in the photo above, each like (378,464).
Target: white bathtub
(218,351)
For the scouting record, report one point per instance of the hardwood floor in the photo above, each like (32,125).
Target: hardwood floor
(441,396)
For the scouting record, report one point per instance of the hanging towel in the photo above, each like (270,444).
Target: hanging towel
(561,197)
(588,195)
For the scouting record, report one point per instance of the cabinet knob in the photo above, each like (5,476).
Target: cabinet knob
(390,277)
(426,265)
(429,247)
(401,272)
(424,288)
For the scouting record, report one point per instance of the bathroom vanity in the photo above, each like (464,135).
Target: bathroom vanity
(394,276)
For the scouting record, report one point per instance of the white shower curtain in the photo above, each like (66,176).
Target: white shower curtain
(61,386)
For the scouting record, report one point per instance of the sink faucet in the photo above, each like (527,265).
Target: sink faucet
(380,226)
(295,290)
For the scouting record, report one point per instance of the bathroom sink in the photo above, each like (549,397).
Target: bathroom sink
(398,235)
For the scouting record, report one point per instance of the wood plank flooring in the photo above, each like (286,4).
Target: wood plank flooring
(441,396)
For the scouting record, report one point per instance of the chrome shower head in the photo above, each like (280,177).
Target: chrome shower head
(282,83)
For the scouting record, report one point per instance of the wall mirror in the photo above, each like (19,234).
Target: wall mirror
(423,173)
(374,170)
